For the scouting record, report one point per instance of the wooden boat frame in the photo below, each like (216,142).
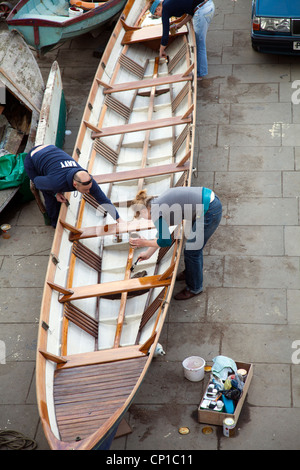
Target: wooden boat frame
(78,375)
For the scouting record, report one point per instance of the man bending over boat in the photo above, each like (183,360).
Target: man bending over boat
(200,12)
(201,210)
(54,172)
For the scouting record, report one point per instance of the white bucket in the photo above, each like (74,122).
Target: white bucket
(75,11)
(193,368)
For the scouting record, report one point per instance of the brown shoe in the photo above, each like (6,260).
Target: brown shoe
(204,82)
(185,294)
(180,276)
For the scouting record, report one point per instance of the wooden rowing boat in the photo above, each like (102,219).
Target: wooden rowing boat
(101,314)
(50,22)
(29,112)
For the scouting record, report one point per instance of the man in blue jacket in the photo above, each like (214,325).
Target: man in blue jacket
(54,172)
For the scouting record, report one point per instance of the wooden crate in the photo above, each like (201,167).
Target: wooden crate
(217,417)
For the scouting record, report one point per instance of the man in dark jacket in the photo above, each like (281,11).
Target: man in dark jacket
(200,12)
(54,172)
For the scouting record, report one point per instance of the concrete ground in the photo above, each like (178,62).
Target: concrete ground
(248,151)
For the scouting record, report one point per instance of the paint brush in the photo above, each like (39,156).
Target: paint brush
(134,264)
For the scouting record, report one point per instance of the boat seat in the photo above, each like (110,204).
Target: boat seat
(52,18)
(147,83)
(111,229)
(138,126)
(110,288)
(140,173)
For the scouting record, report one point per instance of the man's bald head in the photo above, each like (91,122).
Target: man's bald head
(82,181)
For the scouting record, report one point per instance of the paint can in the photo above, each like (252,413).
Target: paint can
(193,368)
(5,229)
(229,427)
(75,11)
(243,373)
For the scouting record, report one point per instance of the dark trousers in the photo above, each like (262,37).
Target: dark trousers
(52,205)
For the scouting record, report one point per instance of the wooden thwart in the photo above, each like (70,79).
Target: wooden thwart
(142,172)
(147,82)
(98,357)
(109,288)
(149,33)
(111,229)
(140,126)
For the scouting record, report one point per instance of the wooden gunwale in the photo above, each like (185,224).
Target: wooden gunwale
(88,362)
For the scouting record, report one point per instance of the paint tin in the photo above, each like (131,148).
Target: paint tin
(243,373)
(229,427)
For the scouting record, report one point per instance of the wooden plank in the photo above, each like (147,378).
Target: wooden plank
(114,287)
(149,33)
(141,173)
(139,126)
(101,357)
(111,229)
(146,83)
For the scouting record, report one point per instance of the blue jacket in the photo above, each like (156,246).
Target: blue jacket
(54,172)
(175,8)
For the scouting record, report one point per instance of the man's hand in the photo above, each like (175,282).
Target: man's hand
(137,242)
(60,197)
(162,52)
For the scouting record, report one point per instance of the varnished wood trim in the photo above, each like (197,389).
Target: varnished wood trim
(52,357)
(115,287)
(140,126)
(101,357)
(112,229)
(142,172)
(147,82)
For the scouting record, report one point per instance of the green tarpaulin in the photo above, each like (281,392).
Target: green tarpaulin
(13,174)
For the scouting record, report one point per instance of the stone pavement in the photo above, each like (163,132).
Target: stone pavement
(248,151)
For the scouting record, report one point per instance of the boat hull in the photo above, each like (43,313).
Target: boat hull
(102,314)
(44,31)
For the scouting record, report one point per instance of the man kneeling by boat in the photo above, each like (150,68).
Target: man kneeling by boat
(54,172)
(200,209)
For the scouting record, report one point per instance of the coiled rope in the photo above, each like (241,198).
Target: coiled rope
(13,440)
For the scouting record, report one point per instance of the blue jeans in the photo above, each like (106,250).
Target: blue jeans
(201,21)
(193,259)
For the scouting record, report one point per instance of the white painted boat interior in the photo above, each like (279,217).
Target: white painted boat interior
(134,150)
(45,8)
